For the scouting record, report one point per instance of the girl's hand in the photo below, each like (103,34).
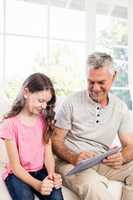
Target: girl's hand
(56,179)
(46,186)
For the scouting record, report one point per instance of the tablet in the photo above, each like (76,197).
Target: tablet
(85,164)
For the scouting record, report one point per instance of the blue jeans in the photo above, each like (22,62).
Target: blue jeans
(21,191)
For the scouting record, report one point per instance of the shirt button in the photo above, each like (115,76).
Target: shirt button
(98,108)
(98,115)
(97,121)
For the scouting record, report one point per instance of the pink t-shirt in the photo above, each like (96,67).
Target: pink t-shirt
(29,141)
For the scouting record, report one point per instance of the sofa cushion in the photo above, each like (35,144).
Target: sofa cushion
(115,188)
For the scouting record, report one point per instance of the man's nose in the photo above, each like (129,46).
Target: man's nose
(96,87)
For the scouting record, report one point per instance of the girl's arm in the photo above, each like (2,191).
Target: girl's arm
(21,173)
(49,158)
(50,166)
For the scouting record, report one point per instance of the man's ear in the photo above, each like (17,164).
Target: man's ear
(114,75)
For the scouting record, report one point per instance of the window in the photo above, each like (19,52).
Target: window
(53,37)
(112,37)
(47,39)
(25,18)
(67,66)
(23,55)
(64,24)
(1,17)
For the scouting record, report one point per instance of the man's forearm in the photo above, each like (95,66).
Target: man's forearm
(65,153)
(127,153)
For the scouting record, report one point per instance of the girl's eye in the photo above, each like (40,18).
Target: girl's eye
(41,101)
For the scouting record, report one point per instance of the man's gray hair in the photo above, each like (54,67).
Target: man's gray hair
(98,60)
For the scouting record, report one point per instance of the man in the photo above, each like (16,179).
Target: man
(87,124)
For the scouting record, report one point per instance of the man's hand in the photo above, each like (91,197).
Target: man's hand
(115,160)
(82,156)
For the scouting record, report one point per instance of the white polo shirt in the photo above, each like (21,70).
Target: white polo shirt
(91,127)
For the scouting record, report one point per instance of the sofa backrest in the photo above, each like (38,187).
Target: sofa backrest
(4,107)
(4,103)
(3,156)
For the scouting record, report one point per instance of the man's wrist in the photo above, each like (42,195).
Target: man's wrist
(124,159)
(73,159)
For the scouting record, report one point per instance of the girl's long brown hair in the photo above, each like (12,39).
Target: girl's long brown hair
(35,83)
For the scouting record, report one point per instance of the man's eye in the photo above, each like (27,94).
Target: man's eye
(101,83)
(91,83)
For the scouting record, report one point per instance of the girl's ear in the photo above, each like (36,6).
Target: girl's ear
(25,93)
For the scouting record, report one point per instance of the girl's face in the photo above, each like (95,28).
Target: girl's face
(37,101)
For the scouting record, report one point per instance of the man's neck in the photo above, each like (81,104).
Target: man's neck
(104,102)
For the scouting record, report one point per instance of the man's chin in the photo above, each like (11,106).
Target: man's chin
(96,98)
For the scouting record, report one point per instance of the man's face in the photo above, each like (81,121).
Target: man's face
(99,83)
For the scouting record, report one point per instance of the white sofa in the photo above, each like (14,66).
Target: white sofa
(115,188)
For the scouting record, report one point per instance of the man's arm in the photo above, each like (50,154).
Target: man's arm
(60,148)
(127,144)
(64,152)
(126,155)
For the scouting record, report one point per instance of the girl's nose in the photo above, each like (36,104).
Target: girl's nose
(44,105)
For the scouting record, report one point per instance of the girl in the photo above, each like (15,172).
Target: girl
(26,130)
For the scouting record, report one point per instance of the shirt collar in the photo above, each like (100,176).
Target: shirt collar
(92,102)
